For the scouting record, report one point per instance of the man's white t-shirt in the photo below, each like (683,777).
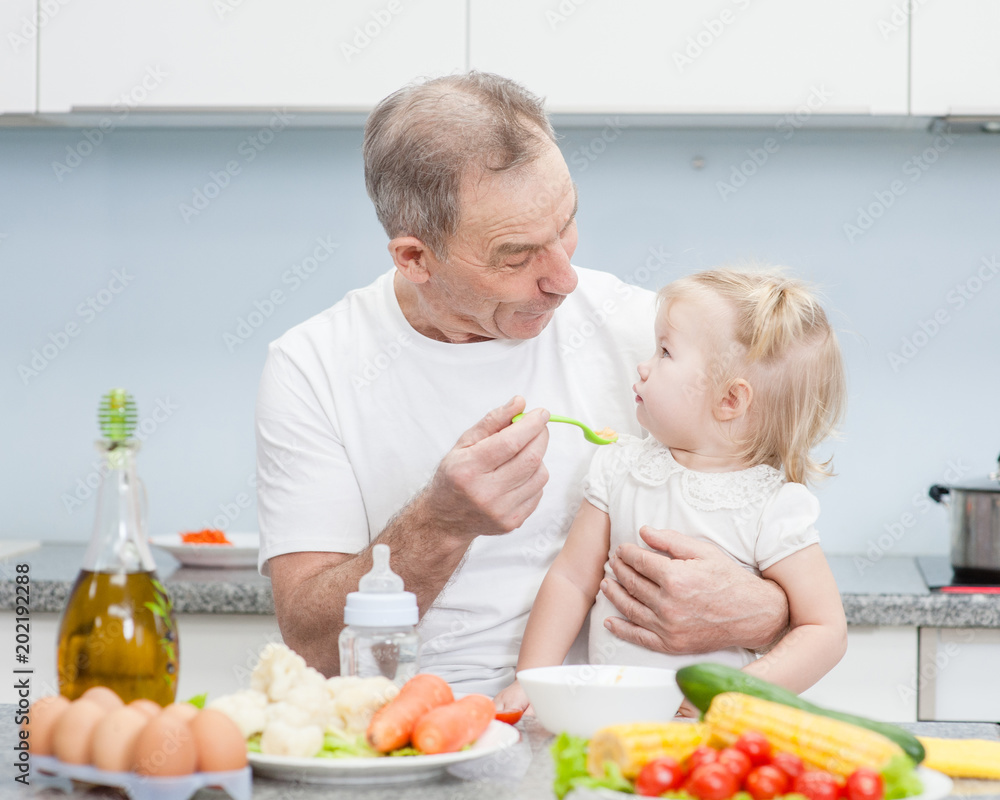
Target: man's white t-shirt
(356,409)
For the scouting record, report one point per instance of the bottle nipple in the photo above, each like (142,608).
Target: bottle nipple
(381,579)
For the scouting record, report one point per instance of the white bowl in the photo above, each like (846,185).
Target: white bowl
(583,698)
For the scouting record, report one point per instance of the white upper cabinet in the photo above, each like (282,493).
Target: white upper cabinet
(235,54)
(19,23)
(955,58)
(699,57)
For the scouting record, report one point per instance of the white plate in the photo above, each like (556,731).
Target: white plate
(936,786)
(401,769)
(241,553)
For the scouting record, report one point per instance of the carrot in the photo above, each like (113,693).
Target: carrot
(447,729)
(392,725)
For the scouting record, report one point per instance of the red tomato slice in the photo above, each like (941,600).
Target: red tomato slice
(766,781)
(712,782)
(510,717)
(817,784)
(755,745)
(865,784)
(658,776)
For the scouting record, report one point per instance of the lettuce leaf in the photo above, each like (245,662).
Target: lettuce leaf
(570,756)
(900,778)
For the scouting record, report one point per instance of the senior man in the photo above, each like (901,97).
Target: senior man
(481,303)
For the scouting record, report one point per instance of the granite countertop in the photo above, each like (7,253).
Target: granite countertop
(522,772)
(890,590)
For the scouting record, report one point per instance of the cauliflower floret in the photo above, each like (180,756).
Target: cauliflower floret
(311,695)
(356,703)
(280,670)
(247,708)
(291,715)
(281,739)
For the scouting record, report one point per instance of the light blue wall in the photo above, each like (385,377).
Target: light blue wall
(190,281)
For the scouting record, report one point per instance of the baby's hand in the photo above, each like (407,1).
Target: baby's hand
(512,698)
(688,710)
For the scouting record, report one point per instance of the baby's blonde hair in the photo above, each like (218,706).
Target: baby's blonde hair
(783,346)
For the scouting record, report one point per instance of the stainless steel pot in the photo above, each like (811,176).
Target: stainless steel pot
(974,508)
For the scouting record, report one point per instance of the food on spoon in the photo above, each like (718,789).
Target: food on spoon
(205,536)
(449,728)
(393,724)
(608,433)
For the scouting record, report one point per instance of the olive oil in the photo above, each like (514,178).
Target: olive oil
(118,628)
(118,632)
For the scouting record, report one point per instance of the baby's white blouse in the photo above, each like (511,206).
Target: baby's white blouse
(754,515)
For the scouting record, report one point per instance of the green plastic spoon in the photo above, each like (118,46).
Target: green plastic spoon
(588,434)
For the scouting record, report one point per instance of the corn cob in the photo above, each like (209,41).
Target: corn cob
(963,758)
(634,745)
(820,742)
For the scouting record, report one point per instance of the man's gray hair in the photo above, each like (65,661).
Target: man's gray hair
(422,140)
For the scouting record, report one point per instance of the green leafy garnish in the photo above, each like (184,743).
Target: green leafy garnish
(570,756)
(900,778)
(253,743)
(342,745)
(198,701)
(405,751)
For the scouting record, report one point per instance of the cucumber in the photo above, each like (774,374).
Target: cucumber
(701,682)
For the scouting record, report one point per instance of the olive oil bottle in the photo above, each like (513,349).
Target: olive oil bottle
(118,629)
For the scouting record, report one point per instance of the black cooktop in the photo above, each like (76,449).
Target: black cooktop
(938,574)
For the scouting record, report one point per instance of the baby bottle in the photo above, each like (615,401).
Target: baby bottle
(379,637)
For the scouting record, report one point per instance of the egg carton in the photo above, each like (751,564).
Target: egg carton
(53,772)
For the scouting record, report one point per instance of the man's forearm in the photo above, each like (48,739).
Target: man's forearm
(767,616)
(310,592)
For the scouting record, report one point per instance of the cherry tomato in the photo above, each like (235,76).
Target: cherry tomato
(865,784)
(817,784)
(510,717)
(789,763)
(703,754)
(736,761)
(658,776)
(766,781)
(755,745)
(712,782)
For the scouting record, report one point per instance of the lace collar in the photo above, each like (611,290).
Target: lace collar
(651,464)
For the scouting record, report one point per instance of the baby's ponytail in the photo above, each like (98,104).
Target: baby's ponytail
(788,353)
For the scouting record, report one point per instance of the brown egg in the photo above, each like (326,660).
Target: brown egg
(41,723)
(74,729)
(220,745)
(104,697)
(147,707)
(113,743)
(182,711)
(165,747)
